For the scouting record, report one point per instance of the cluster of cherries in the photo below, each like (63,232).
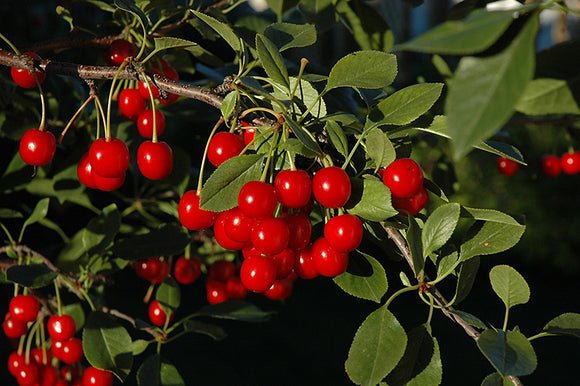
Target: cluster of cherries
(40,366)
(551,165)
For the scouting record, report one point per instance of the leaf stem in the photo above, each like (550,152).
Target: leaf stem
(540,335)
(108,125)
(401,291)
(505,319)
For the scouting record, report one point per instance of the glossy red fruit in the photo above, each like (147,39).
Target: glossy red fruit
(118,51)
(69,351)
(85,172)
(220,234)
(216,291)
(131,104)
(107,184)
(257,200)
(280,290)
(69,373)
(551,165)
(258,273)
(331,187)
(27,374)
(235,288)
(13,328)
(293,187)
(249,250)
(403,177)
(153,269)
(304,266)
(37,147)
(61,327)
(15,361)
(48,375)
(25,78)
(222,270)
(571,162)
(41,355)
(223,146)
(191,216)
(186,271)
(155,160)
(249,135)
(109,157)
(145,123)
(412,204)
(328,261)
(97,377)
(284,262)
(24,308)
(344,233)
(507,167)
(300,231)
(237,225)
(270,236)
(157,315)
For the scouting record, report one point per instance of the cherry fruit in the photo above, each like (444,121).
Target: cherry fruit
(237,225)
(25,78)
(331,187)
(118,51)
(145,123)
(27,374)
(157,315)
(305,267)
(131,104)
(403,177)
(61,327)
(155,160)
(257,200)
(216,291)
(13,328)
(222,270)
(293,187)
(571,162)
(270,236)
(258,273)
(69,351)
(551,165)
(412,204)
(108,184)
(300,231)
(327,260)
(507,167)
(109,157)
(37,147)
(186,271)
(97,377)
(280,290)
(191,216)
(24,308)
(235,288)
(344,233)
(223,146)
(85,172)
(221,236)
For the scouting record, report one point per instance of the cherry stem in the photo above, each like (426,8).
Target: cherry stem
(154,137)
(10,44)
(57,293)
(43,344)
(248,111)
(42,103)
(270,155)
(303,63)
(74,117)
(31,334)
(112,89)
(187,251)
(202,167)
(102,112)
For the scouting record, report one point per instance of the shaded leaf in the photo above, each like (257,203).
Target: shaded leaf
(466,278)
(509,285)
(169,294)
(547,96)
(157,371)
(31,276)
(304,136)
(364,278)
(235,310)
(496,379)
(565,324)
(468,318)
(379,148)
(101,231)
(228,105)
(337,137)
(366,25)
(39,212)
(129,6)
(167,240)
(509,352)
(286,35)
(211,330)
(364,69)
(272,61)
(371,200)
(139,346)
(414,239)
(224,30)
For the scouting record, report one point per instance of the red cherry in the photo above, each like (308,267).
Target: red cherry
(25,78)
(37,147)
(293,188)
(153,269)
(61,327)
(69,351)
(48,375)
(155,160)
(412,204)
(41,355)
(403,177)
(85,172)
(304,266)
(220,234)
(118,51)
(300,231)
(270,236)
(235,288)
(217,292)
(24,308)
(162,273)
(344,233)
(280,290)
(15,362)
(27,374)
(145,123)
(257,200)
(109,157)
(131,104)
(258,273)
(328,261)
(507,167)
(186,271)
(284,262)
(249,134)
(69,373)
(222,270)
(14,328)
(551,165)
(249,250)
(331,187)
(237,225)
(157,315)
(107,184)
(191,216)
(96,377)
(223,146)
(571,162)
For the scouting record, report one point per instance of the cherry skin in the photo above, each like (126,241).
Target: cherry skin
(37,147)
(403,177)
(191,216)
(216,291)
(571,162)
(85,172)
(156,314)
(300,231)
(258,273)
(270,236)
(235,288)
(107,184)
(48,375)
(305,267)
(223,146)
(331,187)
(109,157)
(344,233)
(186,271)
(293,188)
(328,261)
(118,51)
(152,269)
(13,328)
(551,165)
(257,200)
(24,308)
(25,78)
(507,167)
(15,362)
(41,355)
(222,270)
(131,104)
(155,160)
(69,351)
(145,123)
(28,374)
(220,234)
(237,225)
(249,134)
(412,204)
(284,262)
(280,290)
(61,327)
(97,377)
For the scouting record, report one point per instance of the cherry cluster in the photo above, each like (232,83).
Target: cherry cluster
(551,165)
(404,178)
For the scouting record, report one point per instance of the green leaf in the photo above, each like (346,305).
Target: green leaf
(305,95)
(75,310)
(414,239)
(31,276)
(107,345)
(379,148)
(496,379)
(9,213)
(235,310)
(39,212)
(502,150)
(367,26)
(509,352)
(101,231)
(169,294)
(565,324)
(364,69)
(304,136)
(466,278)
(139,346)
(295,146)
(470,319)
(229,105)
(509,285)
(319,12)
(485,90)
(220,191)
(166,43)
(224,30)
(129,6)
(337,137)
(157,371)
(547,96)
(404,106)
(371,200)
(446,263)
(279,7)
(286,35)
(439,227)
(211,330)
(364,278)
(272,61)
(377,347)
(167,240)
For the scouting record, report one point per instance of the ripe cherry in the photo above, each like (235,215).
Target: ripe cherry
(41,355)
(13,328)
(223,146)
(61,327)
(155,160)
(107,184)
(118,51)
(153,269)
(97,377)
(216,291)
(85,172)
(24,308)
(191,216)
(305,267)
(15,362)
(344,233)
(258,273)
(280,290)
(25,78)
(328,261)
(220,234)
(186,271)
(157,315)
(284,262)
(507,167)
(222,270)
(109,157)
(270,236)
(69,351)
(249,134)
(403,177)
(551,165)
(331,187)
(37,147)
(237,225)
(412,204)
(293,188)
(300,231)
(257,200)
(235,288)
(131,104)
(48,375)
(145,123)
(571,162)
(27,374)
